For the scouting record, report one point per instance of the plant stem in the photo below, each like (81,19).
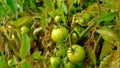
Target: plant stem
(99,9)
(87,29)
(97,42)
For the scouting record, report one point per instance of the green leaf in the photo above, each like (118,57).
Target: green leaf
(64,19)
(106,16)
(13,5)
(37,55)
(48,3)
(2,10)
(106,49)
(21,21)
(64,7)
(105,60)
(107,34)
(25,64)
(25,46)
(91,54)
(3,62)
(42,9)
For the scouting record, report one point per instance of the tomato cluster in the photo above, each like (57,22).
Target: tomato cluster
(65,55)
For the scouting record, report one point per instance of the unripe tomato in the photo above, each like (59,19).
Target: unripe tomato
(74,36)
(59,34)
(61,51)
(76,53)
(70,65)
(55,62)
(57,19)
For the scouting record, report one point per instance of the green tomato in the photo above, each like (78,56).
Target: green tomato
(70,65)
(61,51)
(74,36)
(59,35)
(55,62)
(57,19)
(76,53)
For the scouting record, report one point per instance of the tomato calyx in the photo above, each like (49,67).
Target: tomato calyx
(73,50)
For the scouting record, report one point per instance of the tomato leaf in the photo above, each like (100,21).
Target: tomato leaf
(2,61)
(13,5)
(2,10)
(106,16)
(25,64)
(37,55)
(25,46)
(91,54)
(21,21)
(105,61)
(107,34)
(48,3)
(64,7)
(106,49)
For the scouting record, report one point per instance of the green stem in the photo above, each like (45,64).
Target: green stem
(87,29)
(99,9)
(97,42)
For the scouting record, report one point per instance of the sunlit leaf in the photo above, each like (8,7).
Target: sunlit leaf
(25,46)
(104,62)
(64,7)
(21,21)
(107,34)
(106,49)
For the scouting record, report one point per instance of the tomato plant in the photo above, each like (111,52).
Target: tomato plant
(76,53)
(42,33)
